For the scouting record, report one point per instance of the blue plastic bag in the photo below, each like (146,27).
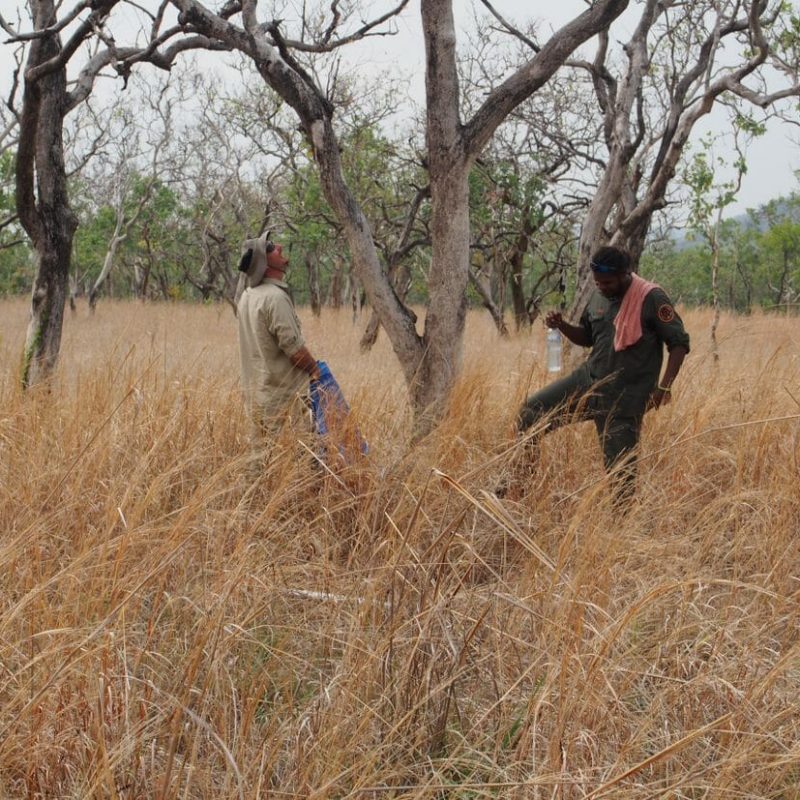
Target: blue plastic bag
(328,409)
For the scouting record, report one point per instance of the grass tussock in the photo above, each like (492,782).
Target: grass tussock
(174,625)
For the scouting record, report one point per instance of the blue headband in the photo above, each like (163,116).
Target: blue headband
(603,268)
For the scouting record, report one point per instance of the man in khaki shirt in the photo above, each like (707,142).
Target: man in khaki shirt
(276,365)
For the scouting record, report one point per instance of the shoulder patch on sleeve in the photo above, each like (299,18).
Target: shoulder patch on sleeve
(665,313)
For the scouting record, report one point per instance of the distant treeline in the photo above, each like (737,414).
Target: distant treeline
(179,245)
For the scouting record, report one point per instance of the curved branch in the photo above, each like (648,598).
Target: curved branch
(44,32)
(123,58)
(100,11)
(25,160)
(523,83)
(510,28)
(365,31)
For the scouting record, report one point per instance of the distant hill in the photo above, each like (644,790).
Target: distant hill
(784,208)
(762,218)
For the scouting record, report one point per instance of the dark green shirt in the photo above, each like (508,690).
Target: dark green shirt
(630,374)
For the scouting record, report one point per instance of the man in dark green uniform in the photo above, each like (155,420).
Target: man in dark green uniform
(620,379)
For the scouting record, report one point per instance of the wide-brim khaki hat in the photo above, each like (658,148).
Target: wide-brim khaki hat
(256,265)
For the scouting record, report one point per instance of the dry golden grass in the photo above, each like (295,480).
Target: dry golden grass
(170,628)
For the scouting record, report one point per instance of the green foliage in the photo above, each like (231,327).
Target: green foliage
(6,181)
(747,124)
(707,195)
(16,271)
(91,240)
(384,183)
(163,238)
(788,41)
(759,262)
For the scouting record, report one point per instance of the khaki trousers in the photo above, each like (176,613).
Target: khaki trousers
(267,428)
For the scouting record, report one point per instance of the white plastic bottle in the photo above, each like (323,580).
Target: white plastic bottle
(553,350)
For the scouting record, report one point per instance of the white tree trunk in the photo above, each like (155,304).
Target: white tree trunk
(117,238)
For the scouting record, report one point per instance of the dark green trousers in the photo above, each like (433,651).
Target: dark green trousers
(576,398)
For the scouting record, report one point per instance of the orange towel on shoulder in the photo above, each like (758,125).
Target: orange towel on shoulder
(628,324)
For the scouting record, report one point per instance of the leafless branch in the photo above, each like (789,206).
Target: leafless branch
(507,26)
(404,245)
(335,20)
(10,220)
(7,28)
(44,32)
(365,31)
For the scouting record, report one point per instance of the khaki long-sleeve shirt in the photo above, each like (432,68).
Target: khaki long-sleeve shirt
(269,333)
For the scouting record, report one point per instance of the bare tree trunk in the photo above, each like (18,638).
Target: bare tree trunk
(355,304)
(163,284)
(73,294)
(448,168)
(116,239)
(44,212)
(521,318)
(715,291)
(781,290)
(747,282)
(494,309)
(314,299)
(141,277)
(517,261)
(335,286)
(444,324)
(43,339)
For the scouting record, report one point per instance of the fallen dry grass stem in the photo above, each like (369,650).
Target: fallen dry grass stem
(322,465)
(661,755)
(496,513)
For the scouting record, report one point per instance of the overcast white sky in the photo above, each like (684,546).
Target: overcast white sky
(773,159)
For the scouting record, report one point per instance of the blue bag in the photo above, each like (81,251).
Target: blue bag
(328,410)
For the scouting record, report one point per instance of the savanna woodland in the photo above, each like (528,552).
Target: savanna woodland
(174,624)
